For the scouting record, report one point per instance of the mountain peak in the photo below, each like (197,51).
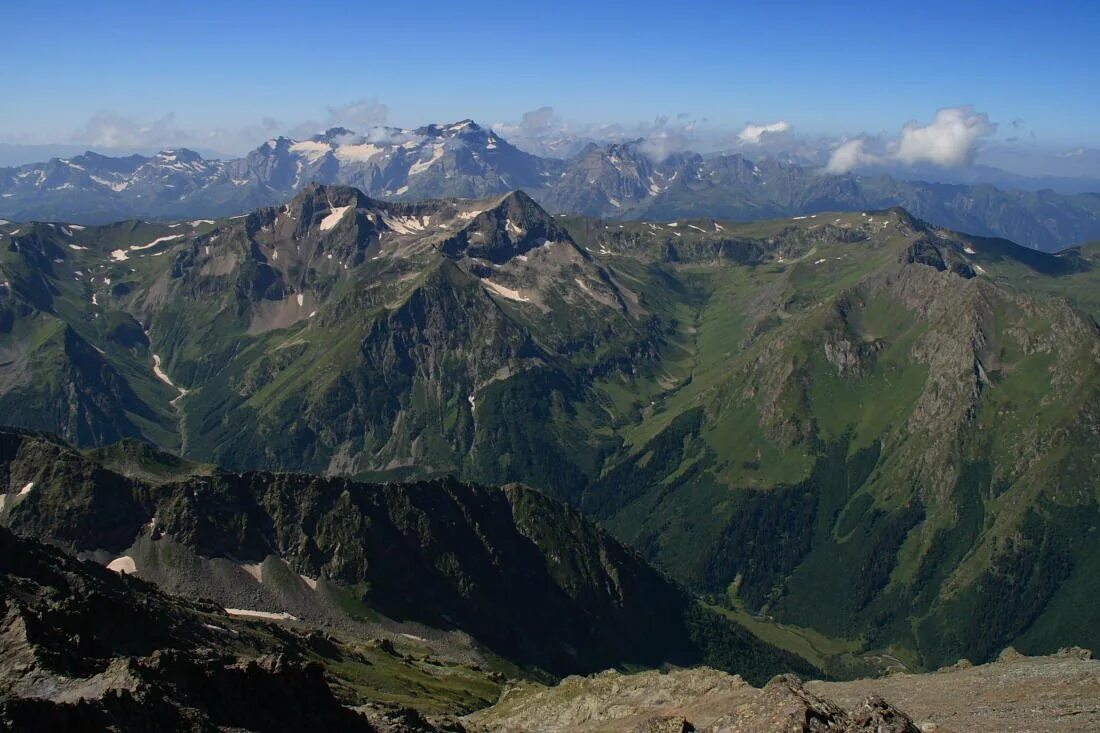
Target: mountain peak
(462,127)
(330,195)
(184,155)
(514,225)
(333,134)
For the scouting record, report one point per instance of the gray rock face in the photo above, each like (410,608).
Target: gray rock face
(84,649)
(679,701)
(785,706)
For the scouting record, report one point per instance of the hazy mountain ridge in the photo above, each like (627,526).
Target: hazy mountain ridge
(617,180)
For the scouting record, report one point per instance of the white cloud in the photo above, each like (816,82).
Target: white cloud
(849,155)
(663,139)
(111,130)
(950,140)
(1075,153)
(754,134)
(117,134)
(360,116)
(364,113)
(538,121)
(542,132)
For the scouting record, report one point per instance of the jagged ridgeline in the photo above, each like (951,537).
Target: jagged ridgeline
(854,407)
(617,180)
(527,578)
(88,650)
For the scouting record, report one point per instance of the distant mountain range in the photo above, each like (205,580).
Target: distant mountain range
(619,181)
(856,406)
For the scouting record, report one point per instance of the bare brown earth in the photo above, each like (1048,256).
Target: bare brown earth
(1013,695)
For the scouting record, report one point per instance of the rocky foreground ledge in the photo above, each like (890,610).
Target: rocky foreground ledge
(84,649)
(1015,694)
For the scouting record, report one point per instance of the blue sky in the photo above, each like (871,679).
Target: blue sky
(828,68)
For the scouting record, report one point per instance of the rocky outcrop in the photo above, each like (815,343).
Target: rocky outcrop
(84,649)
(179,691)
(700,699)
(785,706)
(1016,694)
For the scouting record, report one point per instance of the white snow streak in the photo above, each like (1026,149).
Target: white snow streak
(334,218)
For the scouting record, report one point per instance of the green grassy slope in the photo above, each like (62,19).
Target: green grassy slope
(853,407)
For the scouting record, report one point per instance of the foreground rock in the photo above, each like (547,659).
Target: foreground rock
(1052,694)
(82,649)
(683,700)
(1060,692)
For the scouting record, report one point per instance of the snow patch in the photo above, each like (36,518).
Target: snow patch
(421,166)
(164,378)
(470,215)
(312,151)
(504,292)
(114,186)
(119,255)
(403,224)
(123,565)
(155,242)
(281,616)
(334,218)
(26,489)
(357,153)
